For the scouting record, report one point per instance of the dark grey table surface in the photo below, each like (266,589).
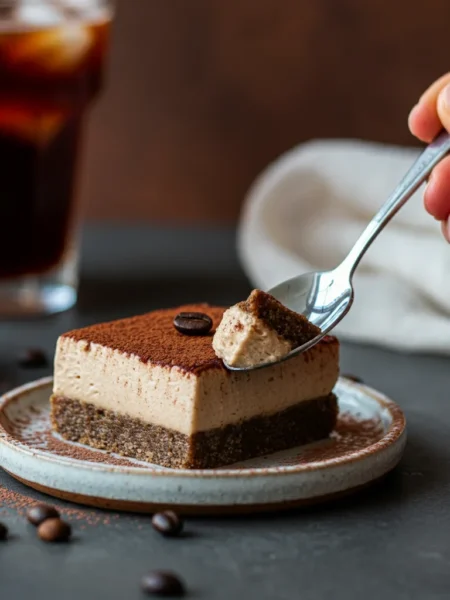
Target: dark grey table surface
(392,542)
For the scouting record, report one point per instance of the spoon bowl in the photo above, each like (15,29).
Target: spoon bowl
(324,298)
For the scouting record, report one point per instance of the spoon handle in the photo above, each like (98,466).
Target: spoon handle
(413,179)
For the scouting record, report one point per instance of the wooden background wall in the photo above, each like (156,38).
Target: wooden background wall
(202,94)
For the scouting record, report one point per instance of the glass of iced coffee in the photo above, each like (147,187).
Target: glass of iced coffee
(52,55)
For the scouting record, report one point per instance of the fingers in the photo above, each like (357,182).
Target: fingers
(424,122)
(437,192)
(425,118)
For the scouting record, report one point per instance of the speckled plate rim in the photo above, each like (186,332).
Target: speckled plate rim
(395,435)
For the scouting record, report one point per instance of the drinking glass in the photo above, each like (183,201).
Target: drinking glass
(52,55)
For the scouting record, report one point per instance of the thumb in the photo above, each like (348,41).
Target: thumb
(443,107)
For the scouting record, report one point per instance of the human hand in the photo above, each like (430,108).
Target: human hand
(426,119)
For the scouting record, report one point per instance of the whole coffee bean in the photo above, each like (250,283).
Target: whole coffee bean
(353,378)
(3,532)
(168,523)
(162,583)
(54,530)
(39,513)
(192,323)
(33,358)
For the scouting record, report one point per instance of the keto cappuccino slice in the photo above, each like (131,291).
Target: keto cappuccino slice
(143,389)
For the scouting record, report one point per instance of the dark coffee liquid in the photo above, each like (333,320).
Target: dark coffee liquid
(41,116)
(37,187)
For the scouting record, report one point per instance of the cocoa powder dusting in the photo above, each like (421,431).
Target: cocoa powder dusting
(19,503)
(153,338)
(288,324)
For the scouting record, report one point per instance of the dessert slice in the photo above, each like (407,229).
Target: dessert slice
(144,389)
(260,330)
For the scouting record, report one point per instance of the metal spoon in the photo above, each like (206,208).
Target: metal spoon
(326,297)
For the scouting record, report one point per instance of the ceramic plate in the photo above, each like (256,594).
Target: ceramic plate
(368,442)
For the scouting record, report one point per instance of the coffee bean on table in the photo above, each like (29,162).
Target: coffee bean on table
(38,513)
(193,323)
(54,530)
(162,583)
(33,358)
(3,532)
(167,523)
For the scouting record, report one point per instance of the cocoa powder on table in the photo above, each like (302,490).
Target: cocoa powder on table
(19,503)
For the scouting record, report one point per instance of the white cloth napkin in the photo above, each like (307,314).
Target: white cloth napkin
(307,209)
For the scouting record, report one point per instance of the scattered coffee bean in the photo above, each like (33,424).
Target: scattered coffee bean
(168,523)
(39,513)
(54,530)
(192,323)
(162,583)
(3,532)
(353,378)
(33,358)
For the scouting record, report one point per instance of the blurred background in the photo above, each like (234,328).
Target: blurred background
(202,94)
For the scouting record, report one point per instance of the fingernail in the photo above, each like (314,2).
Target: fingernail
(445,227)
(445,97)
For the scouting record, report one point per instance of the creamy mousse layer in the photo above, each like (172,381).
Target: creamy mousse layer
(260,330)
(244,340)
(143,368)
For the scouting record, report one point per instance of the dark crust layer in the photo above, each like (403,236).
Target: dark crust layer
(153,338)
(303,423)
(288,324)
